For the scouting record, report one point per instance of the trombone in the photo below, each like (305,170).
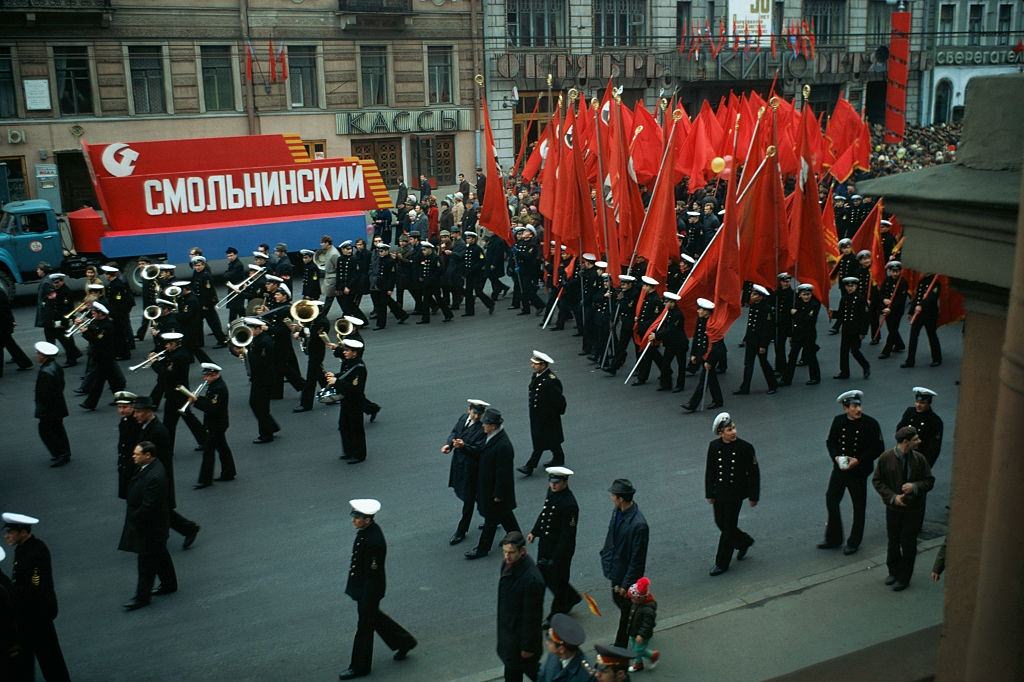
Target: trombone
(190,394)
(86,302)
(79,327)
(154,357)
(237,289)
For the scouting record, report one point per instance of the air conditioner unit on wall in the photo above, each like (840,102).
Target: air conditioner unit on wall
(15,136)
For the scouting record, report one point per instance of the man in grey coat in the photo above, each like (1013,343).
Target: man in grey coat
(624,555)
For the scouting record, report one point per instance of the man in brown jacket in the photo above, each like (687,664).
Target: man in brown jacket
(903,479)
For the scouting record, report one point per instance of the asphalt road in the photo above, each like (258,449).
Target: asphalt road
(261,592)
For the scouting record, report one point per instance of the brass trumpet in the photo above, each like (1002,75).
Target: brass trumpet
(86,302)
(237,289)
(155,357)
(190,394)
(79,327)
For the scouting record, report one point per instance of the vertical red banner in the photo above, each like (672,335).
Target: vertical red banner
(898,72)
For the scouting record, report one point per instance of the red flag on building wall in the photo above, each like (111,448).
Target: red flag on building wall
(271,61)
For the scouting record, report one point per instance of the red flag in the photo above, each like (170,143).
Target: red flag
(272,61)
(645,146)
(869,238)
(526,137)
(728,282)
(249,57)
(761,222)
(842,167)
(493,210)
(629,208)
(658,242)
(548,177)
(828,228)
(805,223)
(694,157)
(951,304)
(844,126)
(540,151)
(282,61)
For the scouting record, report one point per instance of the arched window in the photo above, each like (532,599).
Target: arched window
(943,100)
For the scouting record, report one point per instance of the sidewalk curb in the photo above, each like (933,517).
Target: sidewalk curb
(752,599)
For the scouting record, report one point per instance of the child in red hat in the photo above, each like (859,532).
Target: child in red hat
(642,618)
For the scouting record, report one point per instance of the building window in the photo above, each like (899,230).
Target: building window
(8,102)
(778,14)
(303,83)
(218,83)
(1003,24)
(15,176)
(535,23)
(74,84)
(975,24)
(619,22)
(943,98)
(315,149)
(434,157)
(373,66)
(711,12)
(879,16)
(947,24)
(684,19)
(439,74)
(146,65)
(829,20)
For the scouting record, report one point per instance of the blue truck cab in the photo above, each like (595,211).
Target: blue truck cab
(30,232)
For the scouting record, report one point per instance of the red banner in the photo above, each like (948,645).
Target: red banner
(896,87)
(208,181)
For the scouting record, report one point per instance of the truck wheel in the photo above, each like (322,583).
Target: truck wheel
(130,274)
(7,284)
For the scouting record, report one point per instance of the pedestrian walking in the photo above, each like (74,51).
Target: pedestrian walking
(463,444)
(643,616)
(51,408)
(928,424)
(731,475)
(624,555)
(520,605)
(547,405)
(496,490)
(555,527)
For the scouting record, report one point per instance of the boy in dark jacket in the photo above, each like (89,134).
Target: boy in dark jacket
(642,617)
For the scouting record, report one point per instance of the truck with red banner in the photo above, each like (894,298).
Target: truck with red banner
(161,198)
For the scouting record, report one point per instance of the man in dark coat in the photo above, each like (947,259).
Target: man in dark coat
(350,384)
(127,437)
(759,334)
(782,304)
(893,294)
(924,311)
(624,554)
(804,336)
(263,378)
(463,444)
(496,490)
(34,598)
(903,479)
(495,252)
(206,293)
(53,303)
(383,277)
(474,269)
(50,405)
(153,431)
(547,405)
(555,527)
(120,300)
(102,338)
(520,608)
(706,355)
(7,342)
(213,403)
(428,280)
(235,273)
(648,309)
(146,524)
(366,586)
(731,475)
(672,336)
(854,443)
(565,662)
(927,424)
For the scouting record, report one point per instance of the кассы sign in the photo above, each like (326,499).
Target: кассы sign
(400,121)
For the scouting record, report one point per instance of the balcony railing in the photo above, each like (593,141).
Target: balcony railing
(375,6)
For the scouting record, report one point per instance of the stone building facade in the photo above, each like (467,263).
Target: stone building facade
(388,79)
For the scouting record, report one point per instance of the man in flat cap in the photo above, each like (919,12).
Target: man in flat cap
(731,475)
(547,405)
(51,407)
(34,598)
(555,527)
(928,424)
(366,586)
(903,479)
(624,555)
(463,444)
(146,527)
(520,609)
(854,443)
(565,662)
(496,488)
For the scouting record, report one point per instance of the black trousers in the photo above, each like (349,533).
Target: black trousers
(893,339)
(155,561)
(216,442)
(236,308)
(556,577)
(710,378)
(468,507)
(727,516)
(529,295)
(54,437)
(314,378)
(622,634)
(506,518)
(174,401)
(213,322)
(781,336)
(838,483)
(749,355)
(71,352)
(680,357)
(382,303)
(430,297)
(350,423)
(902,528)
(373,620)
(849,344)
(8,343)
(809,348)
(928,324)
(259,403)
(40,642)
(557,456)
(475,290)
(517,668)
(622,342)
(497,286)
(652,357)
(349,306)
(107,373)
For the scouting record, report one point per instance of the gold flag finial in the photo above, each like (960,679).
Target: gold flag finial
(479,79)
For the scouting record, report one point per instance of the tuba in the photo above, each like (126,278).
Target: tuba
(151,312)
(172,292)
(303,312)
(320,259)
(241,336)
(149,272)
(343,328)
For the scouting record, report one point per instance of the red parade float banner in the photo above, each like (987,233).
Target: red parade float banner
(896,87)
